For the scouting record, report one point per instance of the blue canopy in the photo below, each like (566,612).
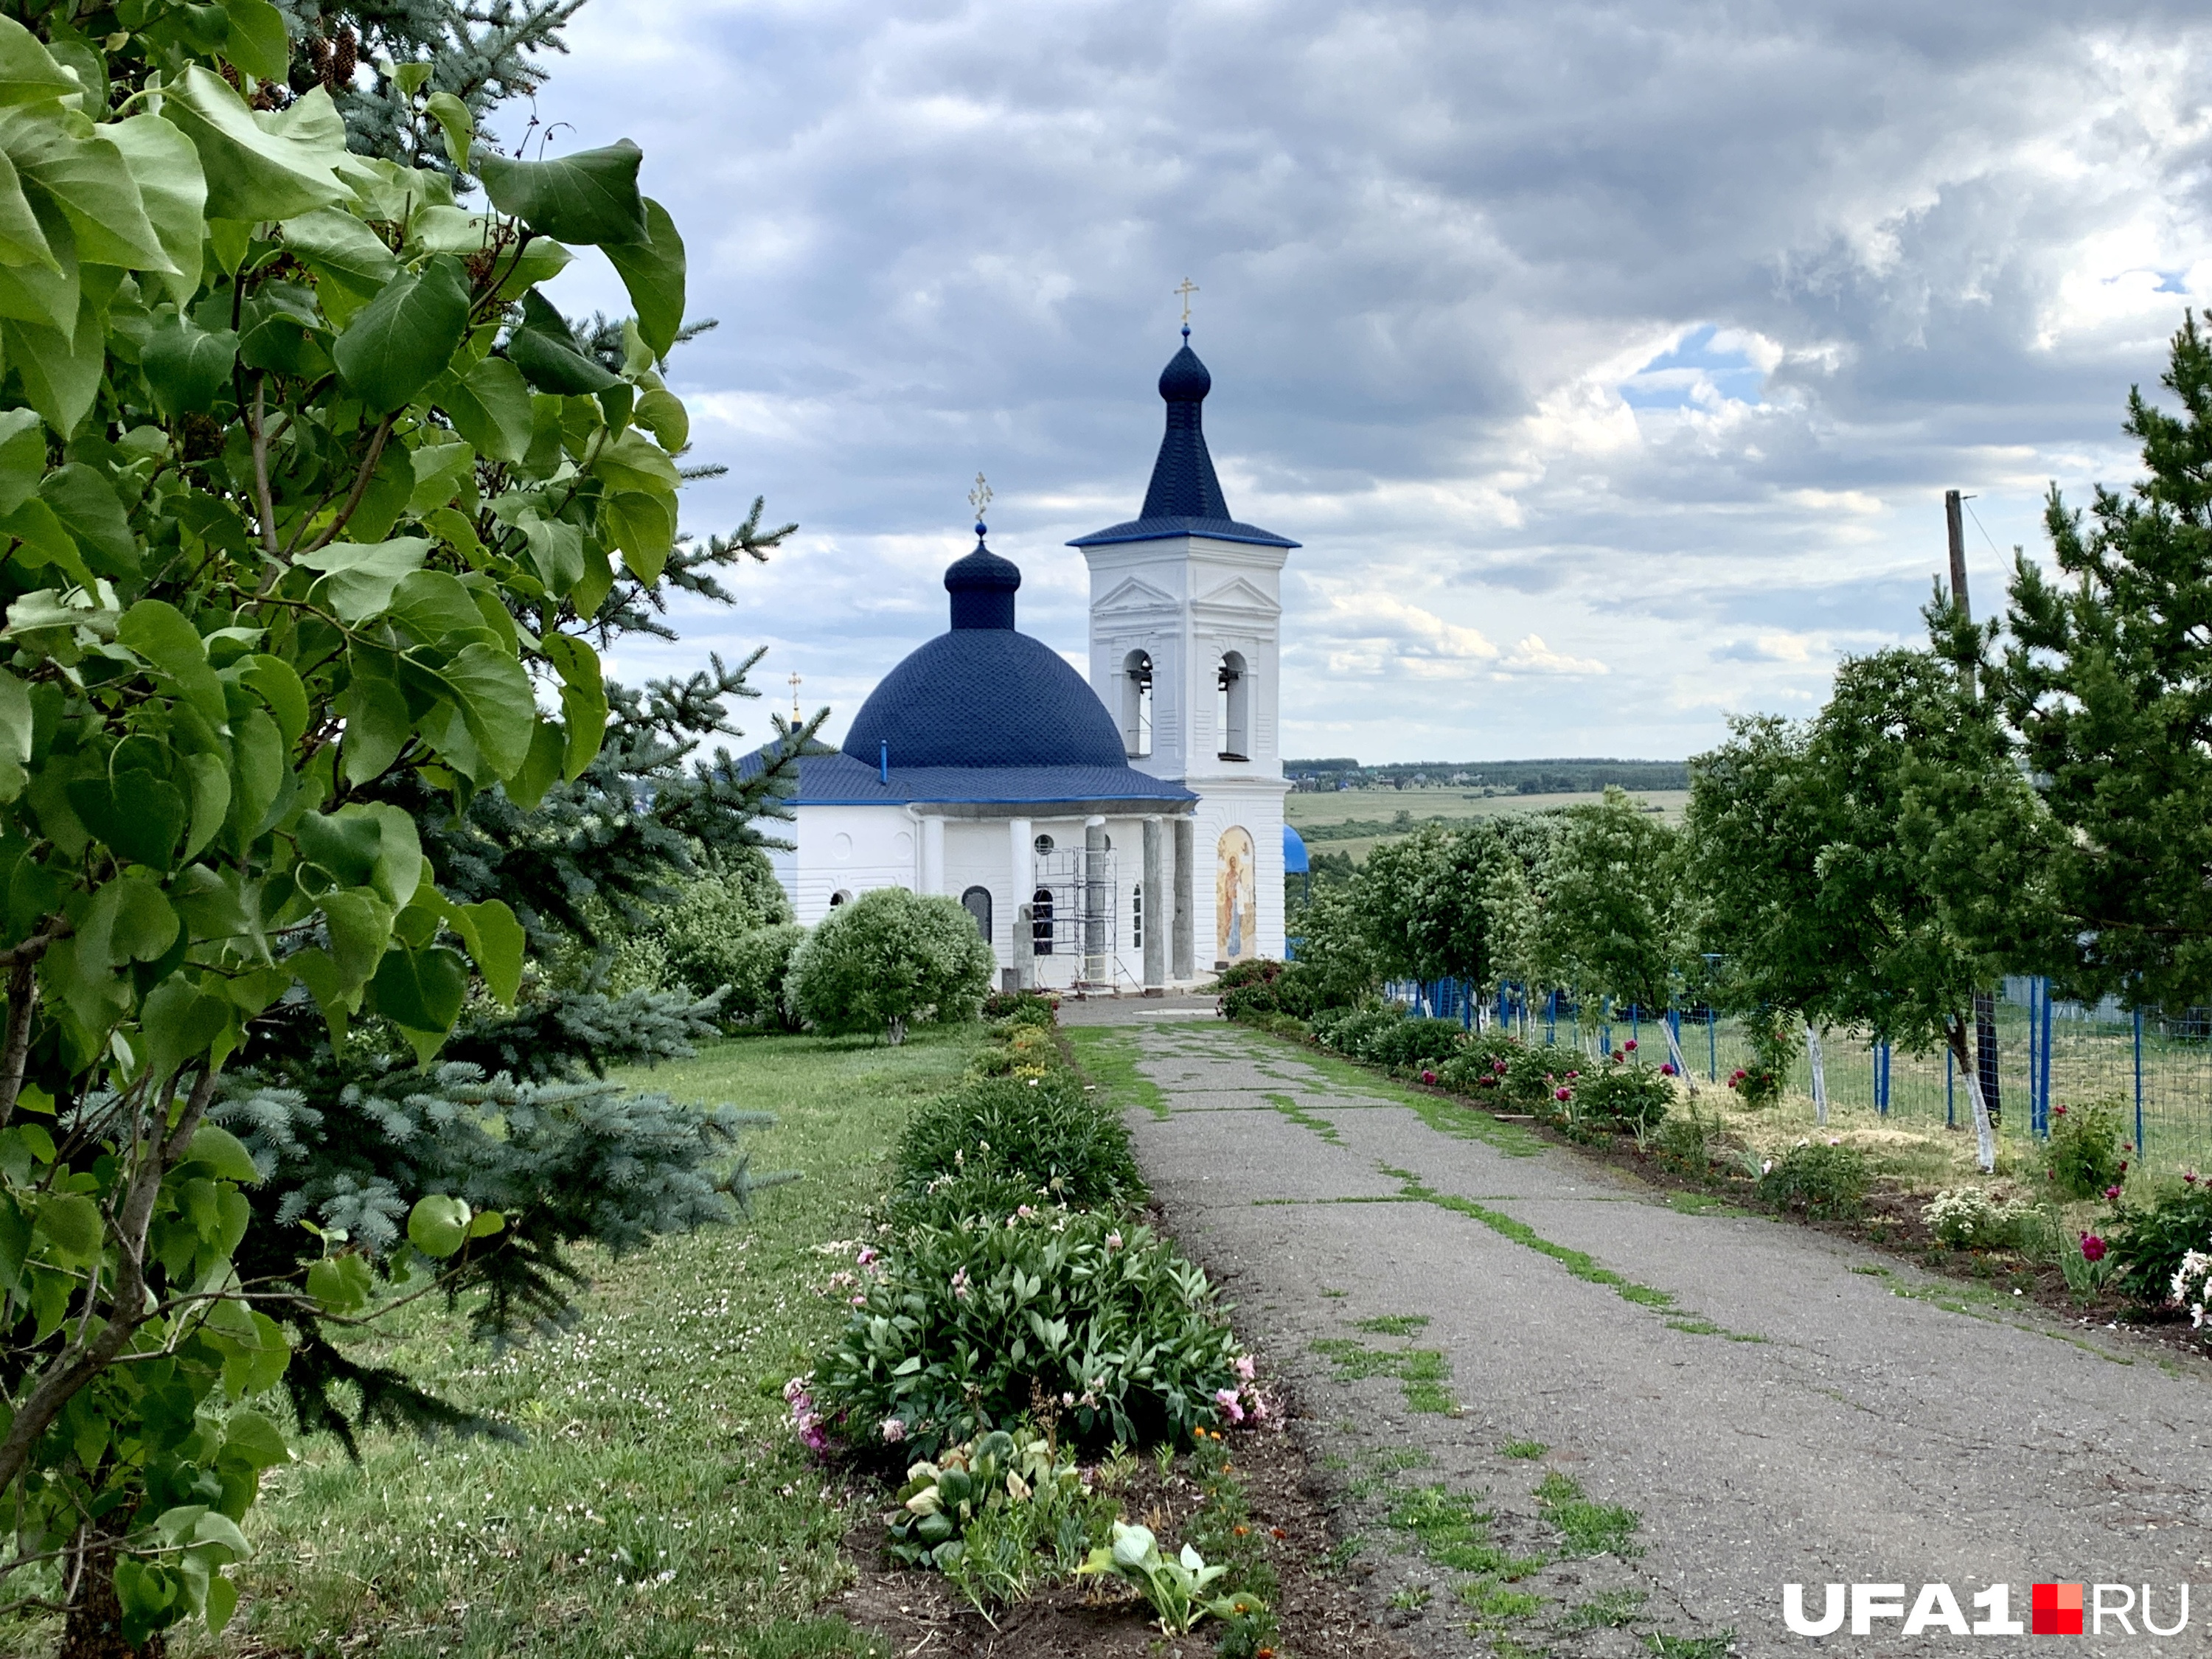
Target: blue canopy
(1294,852)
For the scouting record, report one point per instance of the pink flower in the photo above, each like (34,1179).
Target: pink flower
(2112,1193)
(1666,1068)
(1563,1094)
(2058,1111)
(1630,1045)
(1244,1366)
(859,1298)
(893,1431)
(1226,1399)
(2093,1247)
(1114,1241)
(961,1289)
(1024,1211)
(867,1256)
(1428,1077)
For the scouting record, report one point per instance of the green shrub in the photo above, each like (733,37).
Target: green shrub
(1415,1042)
(702,933)
(1257,990)
(1827,1183)
(1047,1131)
(1774,1041)
(1623,1095)
(1022,1007)
(2145,1243)
(760,976)
(2083,1156)
(1969,1218)
(887,958)
(1506,1073)
(962,1326)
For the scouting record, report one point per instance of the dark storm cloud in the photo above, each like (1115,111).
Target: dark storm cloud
(1649,333)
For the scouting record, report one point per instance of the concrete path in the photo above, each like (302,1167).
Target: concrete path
(1773,1405)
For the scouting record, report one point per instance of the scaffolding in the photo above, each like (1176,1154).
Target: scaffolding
(1085,921)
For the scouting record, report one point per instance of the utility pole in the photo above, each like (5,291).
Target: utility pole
(1986,1003)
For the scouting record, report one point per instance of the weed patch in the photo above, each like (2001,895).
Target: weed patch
(1421,1372)
(1586,1528)
(1392,1324)
(1530,1450)
(1108,1056)
(1305,1120)
(1608,1611)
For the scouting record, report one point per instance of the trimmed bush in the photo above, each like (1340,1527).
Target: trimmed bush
(890,958)
(961,1328)
(1825,1182)
(702,932)
(760,976)
(1046,1132)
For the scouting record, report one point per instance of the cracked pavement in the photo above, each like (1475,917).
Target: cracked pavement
(1775,1403)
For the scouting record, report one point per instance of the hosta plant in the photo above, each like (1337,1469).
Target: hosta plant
(309,494)
(1174,1586)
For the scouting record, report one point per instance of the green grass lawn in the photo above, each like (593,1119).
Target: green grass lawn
(656,1504)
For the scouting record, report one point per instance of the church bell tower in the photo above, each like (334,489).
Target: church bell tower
(1185,651)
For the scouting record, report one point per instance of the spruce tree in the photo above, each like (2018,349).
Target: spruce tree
(2108,679)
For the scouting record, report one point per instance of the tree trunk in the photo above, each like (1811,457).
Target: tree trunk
(1985,1134)
(94,1630)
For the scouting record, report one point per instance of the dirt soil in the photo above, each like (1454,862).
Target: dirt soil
(1322,1610)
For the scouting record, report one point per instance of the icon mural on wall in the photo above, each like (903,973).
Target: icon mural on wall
(1235,935)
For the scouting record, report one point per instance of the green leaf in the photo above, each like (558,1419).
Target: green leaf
(642,527)
(548,355)
(443,473)
(589,198)
(403,339)
(92,513)
(497,946)
(359,925)
(69,1222)
(340,247)
(15,733)
(277,683)
(411,78)
(340,1284)
(187,367)
(422,990)
(252,175)
(377,721)
(486,1223)
(662,413)
(28,73)
(361,575)
(399,868)
(60,379)
(211,792)
(88,179)
(548,750)
(653,271)
(630,461)
(179,1023)
(459,127)
(252,1440)
(22,458)
(257,42)
(432,606)
(438,1225)
(344,845)
(140,820)
(257,773)
(173,190)
(130,918)
(493,691)
(158,632)
(220,1602)
(224,1154)
(23,238)
(490,407)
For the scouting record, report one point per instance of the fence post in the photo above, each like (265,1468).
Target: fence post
(2043,1068)
(1605,1023)
(1881,1077)
(1467,1008)
(2139,1115)
(2037,1123)
(1712,1044)
(1551,1015)
(1950,1111)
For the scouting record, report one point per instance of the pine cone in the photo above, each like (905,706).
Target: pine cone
(346,58)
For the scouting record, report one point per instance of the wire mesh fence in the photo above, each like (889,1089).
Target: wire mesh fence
(2156,1070)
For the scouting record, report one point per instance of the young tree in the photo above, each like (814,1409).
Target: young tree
(2108,679)
(309,495)
(1873,867)
(1421,898)
(1612,915)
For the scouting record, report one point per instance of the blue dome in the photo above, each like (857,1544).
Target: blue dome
(983,694)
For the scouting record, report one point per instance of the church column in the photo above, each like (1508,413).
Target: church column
(1098,900)
(932,855)
(1155,944)
(1186,856)
(1020,956)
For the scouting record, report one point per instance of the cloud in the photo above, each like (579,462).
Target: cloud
(1654,331)
(1533,656)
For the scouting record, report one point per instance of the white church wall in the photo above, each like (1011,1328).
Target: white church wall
(851,850)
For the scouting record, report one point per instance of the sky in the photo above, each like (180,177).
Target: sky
(1608,361)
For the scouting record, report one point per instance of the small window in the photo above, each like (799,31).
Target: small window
(838,898)
(1137,915)
(1040,922)
(1233,710)
(1043,846)
(977,902)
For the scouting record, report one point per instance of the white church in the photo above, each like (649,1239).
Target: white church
(1121,836)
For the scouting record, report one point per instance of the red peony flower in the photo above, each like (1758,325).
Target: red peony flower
(2093,1247)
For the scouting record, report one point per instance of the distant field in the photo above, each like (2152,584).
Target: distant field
(1382,806)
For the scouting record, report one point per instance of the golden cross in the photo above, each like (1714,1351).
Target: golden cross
(1188,288)
(794,695)
(980,497)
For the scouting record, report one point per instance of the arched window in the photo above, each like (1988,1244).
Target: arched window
(1235,707)
(1040,922)
(1137,915)
(840,897)
(1137,704)
(977,901)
